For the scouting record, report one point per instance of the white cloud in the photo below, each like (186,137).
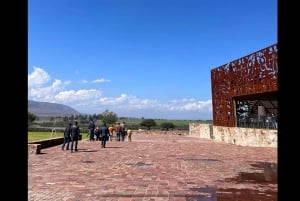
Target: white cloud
(176,105)
(93,101)
(38,77)
(100,80)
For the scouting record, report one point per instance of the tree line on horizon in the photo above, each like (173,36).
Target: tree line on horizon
(110,118)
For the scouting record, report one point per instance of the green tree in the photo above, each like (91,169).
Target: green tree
(94,117)
(65,118)
(148,123)
(109,117)
(167,125)
(31,117)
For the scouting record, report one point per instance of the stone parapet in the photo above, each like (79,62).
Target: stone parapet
(235,135)
(34,148)
(170,132)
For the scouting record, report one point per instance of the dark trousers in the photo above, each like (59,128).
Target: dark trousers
(74,141)
(122,136)
(91,135)
(103,140)
(97,137)
(67,140)
(118,136)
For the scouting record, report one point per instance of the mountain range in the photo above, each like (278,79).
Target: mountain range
(46,109)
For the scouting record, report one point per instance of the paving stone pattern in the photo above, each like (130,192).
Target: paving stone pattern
(150,167)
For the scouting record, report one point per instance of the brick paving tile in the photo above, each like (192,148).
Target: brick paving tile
(150,167)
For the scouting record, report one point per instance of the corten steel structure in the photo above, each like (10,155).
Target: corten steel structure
(252,79)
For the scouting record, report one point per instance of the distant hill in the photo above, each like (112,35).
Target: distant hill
(45,109)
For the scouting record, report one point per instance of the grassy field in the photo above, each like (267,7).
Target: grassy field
(34,136)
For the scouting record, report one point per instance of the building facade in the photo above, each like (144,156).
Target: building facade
(244,91)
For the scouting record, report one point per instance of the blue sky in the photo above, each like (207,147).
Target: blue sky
(140,58)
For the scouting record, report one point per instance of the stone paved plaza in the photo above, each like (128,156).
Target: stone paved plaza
(153,167)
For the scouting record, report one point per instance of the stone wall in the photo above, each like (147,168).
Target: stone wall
(171,132)
(48,142)
(235,135)
(35,147)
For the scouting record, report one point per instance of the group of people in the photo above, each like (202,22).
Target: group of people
(103,134)
(116,131)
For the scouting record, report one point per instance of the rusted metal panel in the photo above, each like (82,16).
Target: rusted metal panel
(255,73)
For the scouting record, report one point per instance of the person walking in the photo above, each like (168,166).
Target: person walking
(67,137)
(75,131)
(104,135)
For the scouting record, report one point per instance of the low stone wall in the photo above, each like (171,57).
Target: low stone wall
(201,130)
(36,146)
(49,142)
(235,135)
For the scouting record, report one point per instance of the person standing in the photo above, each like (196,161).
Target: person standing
(111,132)
(67,137)
(97,133)
(104,135)
(123,133)
(75,131)
(118,129)
(129,134)
(91,130)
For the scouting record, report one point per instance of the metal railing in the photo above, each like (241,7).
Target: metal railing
(264,122)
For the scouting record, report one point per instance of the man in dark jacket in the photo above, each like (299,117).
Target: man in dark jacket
(74,135)
(104,135)
(91,130)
